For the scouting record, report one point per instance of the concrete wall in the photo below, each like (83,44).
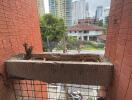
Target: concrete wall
(119,49)
(18,24)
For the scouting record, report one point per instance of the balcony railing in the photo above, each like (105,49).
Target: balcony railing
(59,76)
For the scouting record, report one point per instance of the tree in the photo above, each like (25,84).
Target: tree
(71,43)
(52,29)
(99,23)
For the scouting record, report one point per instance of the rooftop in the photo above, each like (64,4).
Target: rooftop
(85,27)
(88,20)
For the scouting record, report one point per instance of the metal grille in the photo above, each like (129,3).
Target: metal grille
(37,90)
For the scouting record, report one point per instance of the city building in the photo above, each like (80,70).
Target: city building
(68,12)
(106,15)
(106,11)
(40,5)
(75,12)
(85,32)
(99,12)
(80,10)
(83,9)
(52,7)
(88,21)
(62,9)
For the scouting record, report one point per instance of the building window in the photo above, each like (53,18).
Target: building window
(85,38)
(80,38)
(86,31)
(93,38)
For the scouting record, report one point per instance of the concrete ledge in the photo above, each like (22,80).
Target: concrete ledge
(63,57)
(72,72)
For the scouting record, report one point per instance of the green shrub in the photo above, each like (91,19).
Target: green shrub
(101,45)
(93,46)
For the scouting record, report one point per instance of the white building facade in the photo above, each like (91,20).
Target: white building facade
(85,31)
(85,36)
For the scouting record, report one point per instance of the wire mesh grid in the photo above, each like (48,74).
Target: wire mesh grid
(37,90)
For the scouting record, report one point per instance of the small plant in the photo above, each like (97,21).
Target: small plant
(90,98)
(28,51)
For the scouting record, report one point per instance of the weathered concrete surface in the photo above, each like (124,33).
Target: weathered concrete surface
(68,57)
(90,73)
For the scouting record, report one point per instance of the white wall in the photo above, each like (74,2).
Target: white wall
(91,33)
(82,34)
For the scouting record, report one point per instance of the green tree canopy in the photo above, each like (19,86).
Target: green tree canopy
(52,29)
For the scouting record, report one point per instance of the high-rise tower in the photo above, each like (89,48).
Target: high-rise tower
(80,10)
(99,12)
(52,7)
(40,5)
(62,9)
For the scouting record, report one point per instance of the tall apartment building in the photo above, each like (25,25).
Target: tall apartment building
(75,12)
(99,12)
(40,5)
(52,7)
(80,10)
(62,9)
(106,11)
(68,12)
(84,9)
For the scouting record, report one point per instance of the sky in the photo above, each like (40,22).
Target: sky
(92,5)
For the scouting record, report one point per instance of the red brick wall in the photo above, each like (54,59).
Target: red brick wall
(18,24)
(119,49)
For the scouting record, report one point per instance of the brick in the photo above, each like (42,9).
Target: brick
(129,92)
(122,87)
(17,21)
(121,32)
(119,55)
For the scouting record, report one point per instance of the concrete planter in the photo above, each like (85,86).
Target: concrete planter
(85,69)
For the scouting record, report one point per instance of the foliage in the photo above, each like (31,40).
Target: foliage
(52,29)
(101,45)
(59,46)
(90,98)
(71,43)
(99,23)
(93,46)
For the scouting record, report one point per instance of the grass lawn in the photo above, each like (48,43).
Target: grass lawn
(93,46)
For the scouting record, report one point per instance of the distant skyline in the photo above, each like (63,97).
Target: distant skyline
(92,5)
